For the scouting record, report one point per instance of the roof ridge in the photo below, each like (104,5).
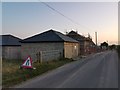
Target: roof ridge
(38,34)
(15,37)
(76,33)
(10,40)
(10,35)
(46,37)
(56,32)
(64,36)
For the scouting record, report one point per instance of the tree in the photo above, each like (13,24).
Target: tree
(104,45)
(112,46)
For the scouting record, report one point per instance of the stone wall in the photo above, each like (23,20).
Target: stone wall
(48,49)
(11,52)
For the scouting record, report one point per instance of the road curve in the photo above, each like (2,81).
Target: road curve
(96,71)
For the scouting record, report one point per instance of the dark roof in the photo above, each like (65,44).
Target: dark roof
(9,40)
(76,36)
(72,33)
(49,36)
(79,37)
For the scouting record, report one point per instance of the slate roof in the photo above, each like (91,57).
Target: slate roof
(79,37)
(49,36)
(9,40)
(76,36)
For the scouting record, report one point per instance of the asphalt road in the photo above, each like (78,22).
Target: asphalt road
(95,71)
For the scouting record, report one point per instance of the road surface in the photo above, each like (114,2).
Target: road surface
(95,71)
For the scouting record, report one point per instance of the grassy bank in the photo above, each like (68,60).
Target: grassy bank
(11,74)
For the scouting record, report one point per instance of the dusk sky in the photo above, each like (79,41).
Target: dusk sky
(24,19)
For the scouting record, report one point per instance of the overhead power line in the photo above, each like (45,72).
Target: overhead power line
(64,15)
(58,12)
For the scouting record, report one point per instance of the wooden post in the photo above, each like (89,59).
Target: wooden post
(37,56)
(41,57)
(60,56)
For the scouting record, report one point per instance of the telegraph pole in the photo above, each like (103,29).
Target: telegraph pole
(96,37)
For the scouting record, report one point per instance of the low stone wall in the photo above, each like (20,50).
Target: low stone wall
(44,56)
(11,52)
(49,51)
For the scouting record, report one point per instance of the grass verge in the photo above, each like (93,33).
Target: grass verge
(12,75)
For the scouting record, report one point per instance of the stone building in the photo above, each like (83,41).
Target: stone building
(87,46)
(11,47)
(50,45)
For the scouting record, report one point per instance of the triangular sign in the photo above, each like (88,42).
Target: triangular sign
(27,63)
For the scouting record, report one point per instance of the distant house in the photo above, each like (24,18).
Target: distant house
(11,47)
(86,44)
(89,46)
(50,45)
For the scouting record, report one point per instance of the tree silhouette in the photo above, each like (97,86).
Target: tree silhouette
(104,44)
(112,46)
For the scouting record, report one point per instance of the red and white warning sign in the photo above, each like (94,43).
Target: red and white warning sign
(27,63)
